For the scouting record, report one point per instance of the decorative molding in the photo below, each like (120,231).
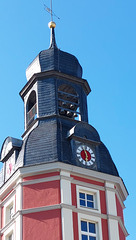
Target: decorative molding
(41,180)
(66,206)
(90,218)
(57,166)
(56,74)
(40,209)
(10,195)
(83,140)
(89,185)
(90,213)
(96,195)
(8,225)
(66,178)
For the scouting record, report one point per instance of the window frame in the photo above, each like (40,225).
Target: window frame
(90,191)
(86,200)
(9,232)
(91,219)
(87,233)
(7,207)
(10,235)
(31,107)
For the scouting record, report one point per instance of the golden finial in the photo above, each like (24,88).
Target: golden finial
(51,24)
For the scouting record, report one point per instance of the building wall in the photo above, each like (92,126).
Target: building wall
(41,194)
(47,205)
(42,225)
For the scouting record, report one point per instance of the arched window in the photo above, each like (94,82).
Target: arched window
(68,102)
(31,108)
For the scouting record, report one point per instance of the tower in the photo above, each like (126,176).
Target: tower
(59,181)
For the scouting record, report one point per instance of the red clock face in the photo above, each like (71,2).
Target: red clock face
(9,168)
(85,155)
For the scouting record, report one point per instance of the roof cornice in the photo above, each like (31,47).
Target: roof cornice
(56,74)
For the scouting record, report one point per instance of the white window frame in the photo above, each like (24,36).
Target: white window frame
(96,198)
(11,211)
(10,236)
(10,231)
(91,219)
(7,207)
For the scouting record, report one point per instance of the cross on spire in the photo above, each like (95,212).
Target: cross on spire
(51,12)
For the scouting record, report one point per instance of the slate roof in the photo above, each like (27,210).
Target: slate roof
(54,59)
(49,142)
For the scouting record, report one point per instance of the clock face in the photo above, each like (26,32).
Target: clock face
(85,155)
(10,166)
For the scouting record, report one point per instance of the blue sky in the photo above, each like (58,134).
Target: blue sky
(102,35)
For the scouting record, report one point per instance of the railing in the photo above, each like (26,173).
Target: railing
(31,115)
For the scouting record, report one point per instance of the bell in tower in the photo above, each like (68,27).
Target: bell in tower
(59,181)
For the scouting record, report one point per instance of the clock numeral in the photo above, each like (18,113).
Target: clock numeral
(78,151)
(78,155)
(88,149)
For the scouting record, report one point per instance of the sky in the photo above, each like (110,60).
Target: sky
(102,35)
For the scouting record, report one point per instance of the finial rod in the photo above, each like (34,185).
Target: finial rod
(51,12)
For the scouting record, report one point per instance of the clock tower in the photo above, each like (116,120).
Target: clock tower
(59,181)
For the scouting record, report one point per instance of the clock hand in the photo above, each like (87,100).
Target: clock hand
(86,156)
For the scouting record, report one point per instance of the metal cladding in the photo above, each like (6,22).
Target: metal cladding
(51,141)
(54,59)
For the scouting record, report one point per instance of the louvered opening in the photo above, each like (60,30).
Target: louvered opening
(68,102)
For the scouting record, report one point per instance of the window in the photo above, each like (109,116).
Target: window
(31,108)
(10,237)
(68,102)
(88,199)
(90,227)
(88,230)
(9,212)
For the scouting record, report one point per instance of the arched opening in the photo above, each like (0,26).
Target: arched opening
(31,108)
(68,102)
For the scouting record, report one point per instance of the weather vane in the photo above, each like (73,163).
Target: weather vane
(49,10)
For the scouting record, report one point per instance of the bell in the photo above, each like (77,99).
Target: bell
(72,106)
(62,111)
(69,114)
(75,115)
(64,104)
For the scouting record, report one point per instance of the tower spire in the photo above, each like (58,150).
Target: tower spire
(52,26)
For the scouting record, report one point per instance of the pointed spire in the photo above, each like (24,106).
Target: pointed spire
(52,25)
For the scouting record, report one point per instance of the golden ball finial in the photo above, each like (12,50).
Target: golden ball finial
(51,24)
